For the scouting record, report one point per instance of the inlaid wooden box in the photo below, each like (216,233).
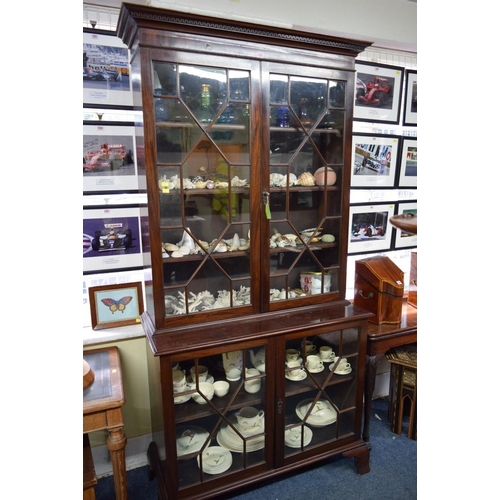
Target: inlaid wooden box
(412,289)
(378,288)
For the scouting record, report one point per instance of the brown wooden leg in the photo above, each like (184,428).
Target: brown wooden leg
(116,445)
(361,457)
(371,372)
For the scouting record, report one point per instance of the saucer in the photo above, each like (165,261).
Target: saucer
(319,369)
(293,436)
(330,358)
(302,376)
(343,372)
(182,399)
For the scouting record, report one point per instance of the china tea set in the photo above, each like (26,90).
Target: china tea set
(315,363)
(200,380)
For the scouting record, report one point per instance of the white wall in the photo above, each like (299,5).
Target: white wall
(386,23)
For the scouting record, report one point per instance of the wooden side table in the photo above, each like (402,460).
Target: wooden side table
(380,339)
(403,388)
(102,409)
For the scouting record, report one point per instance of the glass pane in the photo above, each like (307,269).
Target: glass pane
(203,179)
(337,94)
(176,136)
(279,89)
(239,85)
(306,157)
(320,389)
(164,79)
(308,98)
(204,90)
(228,434)
(231,133)
(329,138)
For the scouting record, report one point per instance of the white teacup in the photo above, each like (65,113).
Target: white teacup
(249,418)
(314,362)
(309,347)
(252,386)
(326,352)
(292,354)
(202,373)
(343,365)
(296,369)
(179,379)
(221,388)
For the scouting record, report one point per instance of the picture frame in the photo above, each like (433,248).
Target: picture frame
(410,102)
(403,239)
(106,70)
(117,305)
(103,225)
(378,92)
(374,160)
(109,158)
(370,229)
(407,176)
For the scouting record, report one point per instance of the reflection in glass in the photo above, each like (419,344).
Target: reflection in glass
(164,79)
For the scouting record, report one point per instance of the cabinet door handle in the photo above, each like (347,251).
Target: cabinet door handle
(370,295)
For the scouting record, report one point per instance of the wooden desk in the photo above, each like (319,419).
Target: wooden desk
(102,409)
(380,339)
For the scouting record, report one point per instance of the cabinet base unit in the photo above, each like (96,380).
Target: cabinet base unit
(246,401)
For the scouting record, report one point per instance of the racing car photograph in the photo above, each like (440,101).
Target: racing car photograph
(378,92)
(374,160)
(108,150)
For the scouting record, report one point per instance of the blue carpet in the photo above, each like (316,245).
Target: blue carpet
(393,474)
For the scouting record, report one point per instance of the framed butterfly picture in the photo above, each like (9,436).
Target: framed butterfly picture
(116,305)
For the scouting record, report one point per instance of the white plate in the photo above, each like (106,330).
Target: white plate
(321,416)
(190,439)
(228,438)
(302,376)
(293,436)
(215,459)
(316,370)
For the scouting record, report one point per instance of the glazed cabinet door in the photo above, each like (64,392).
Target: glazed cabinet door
(222,424)
(204,168)
(309,158)
(321,393)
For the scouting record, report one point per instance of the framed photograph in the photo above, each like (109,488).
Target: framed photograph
(374,160)
(378,92)
(408,163)
(106,70)
(111,239)
(410,103)
(116,305)
(369,228)
(403,239)
(109,158)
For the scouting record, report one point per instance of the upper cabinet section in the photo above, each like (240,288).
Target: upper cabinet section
(246,152)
